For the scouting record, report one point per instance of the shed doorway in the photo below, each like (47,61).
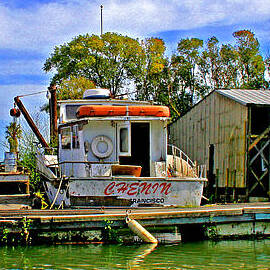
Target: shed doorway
(140,148)
(258,169)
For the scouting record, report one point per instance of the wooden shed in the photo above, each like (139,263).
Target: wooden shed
(229,132)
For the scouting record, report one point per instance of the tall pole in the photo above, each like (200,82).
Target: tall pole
(53,113)
(101,20)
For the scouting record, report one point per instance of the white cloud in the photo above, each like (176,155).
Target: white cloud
(46,25)
(43,26)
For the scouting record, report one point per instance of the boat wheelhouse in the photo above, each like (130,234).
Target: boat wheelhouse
(114,152)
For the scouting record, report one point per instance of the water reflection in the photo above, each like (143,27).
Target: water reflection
(199,255)
(143,251)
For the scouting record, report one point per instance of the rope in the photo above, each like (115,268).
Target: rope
(56,195)
(36,93)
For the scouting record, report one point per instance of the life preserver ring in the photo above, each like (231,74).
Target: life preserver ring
(102,139)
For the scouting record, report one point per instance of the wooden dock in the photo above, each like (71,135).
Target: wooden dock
(227,220)
(14,188)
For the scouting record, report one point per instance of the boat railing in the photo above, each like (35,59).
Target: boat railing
(201,171)
(64,165)
(175,151)
(45,158)
(198,170)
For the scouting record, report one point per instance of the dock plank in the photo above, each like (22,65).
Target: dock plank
(76,218)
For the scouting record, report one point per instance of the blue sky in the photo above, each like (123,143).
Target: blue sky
(30,29)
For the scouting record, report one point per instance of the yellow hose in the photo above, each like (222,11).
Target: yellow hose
(139,230)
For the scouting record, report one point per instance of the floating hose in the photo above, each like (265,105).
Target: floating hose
(140,231)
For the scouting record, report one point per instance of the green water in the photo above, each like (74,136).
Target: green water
(199,255)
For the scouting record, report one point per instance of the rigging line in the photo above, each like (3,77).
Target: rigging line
(36,93)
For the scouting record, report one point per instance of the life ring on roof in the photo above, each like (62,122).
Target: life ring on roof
(115,110)
(102,146)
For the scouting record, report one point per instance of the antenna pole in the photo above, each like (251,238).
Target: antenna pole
(101,20)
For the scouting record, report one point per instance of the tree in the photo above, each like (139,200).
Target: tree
(218,65)
(73,87)
(228,58)
(185,63)
(167,81)
(251,65)
(209,64)
(13,134)
(29,148)
(115,62)
(149,76)
(177,94)
(110,61)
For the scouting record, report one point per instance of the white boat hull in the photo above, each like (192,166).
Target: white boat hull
(130,192)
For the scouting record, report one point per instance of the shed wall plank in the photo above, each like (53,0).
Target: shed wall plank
(219,121)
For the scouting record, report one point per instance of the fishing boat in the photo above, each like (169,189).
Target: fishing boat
(114,152)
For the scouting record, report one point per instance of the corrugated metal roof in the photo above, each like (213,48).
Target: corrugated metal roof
(245,97)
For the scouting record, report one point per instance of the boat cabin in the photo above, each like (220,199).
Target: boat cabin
(105,137)
(113,152)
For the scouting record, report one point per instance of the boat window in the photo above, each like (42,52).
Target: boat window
(71,111)
(75,138)
(124,140)
(66,138)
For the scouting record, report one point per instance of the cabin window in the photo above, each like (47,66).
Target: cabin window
(124,140)
(75,138)
(71,111)
(66,138)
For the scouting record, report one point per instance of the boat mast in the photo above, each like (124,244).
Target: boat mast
(101,20)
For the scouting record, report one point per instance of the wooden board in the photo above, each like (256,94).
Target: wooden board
(219,121)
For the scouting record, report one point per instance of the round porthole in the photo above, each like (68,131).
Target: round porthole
(102,146)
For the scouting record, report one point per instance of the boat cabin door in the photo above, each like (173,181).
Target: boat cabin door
(140,148)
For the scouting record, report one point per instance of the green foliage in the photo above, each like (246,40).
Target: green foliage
(28,149)
(114,61)
(239,66)
(25,230)
(109,233)
(251,65)
(212,232)
(109,61)
(28,160)
(195,70)
(180,85)
(186,61)
(150,72)
(13,134)
(73,87)
(17,235)
(4,235)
